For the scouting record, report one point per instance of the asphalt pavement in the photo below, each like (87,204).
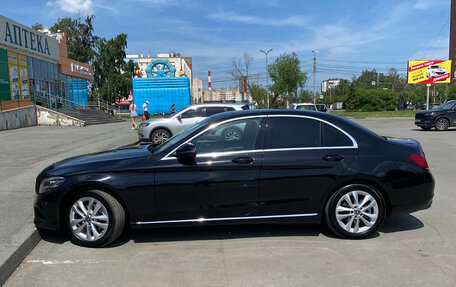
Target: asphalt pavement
(23,154)
(409,250)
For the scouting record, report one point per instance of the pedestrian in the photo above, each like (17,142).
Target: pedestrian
(145,110)
(133,114)
(173,109)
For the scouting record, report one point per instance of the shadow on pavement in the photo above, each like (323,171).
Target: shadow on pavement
(393,224)
(401,223)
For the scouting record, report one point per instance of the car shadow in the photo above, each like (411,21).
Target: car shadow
(401,223)
(219,232)
(198,233)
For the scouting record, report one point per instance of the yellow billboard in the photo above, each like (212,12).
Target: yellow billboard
(421,72)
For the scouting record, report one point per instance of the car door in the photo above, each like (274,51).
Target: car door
(302,158)
(223,180)
(188,118)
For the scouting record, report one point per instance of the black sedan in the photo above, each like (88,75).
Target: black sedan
(284,166)
(440,118)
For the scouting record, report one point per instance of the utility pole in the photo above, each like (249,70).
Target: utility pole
(315,74)
(209,84)
(267,74)
(377,80)
(452,50)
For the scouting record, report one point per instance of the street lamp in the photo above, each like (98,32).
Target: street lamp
(267,75)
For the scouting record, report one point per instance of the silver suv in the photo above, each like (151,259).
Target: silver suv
(159,130)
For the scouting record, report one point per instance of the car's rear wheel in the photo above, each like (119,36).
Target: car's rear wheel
(355,211)
(442,124)
(159,136)
(95,219)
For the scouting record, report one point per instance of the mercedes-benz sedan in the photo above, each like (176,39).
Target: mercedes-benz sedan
(285,166)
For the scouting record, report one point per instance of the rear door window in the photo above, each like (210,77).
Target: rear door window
(292,132)
(332,137)
(214,110)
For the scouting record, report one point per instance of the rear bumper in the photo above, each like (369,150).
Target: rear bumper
(412,194)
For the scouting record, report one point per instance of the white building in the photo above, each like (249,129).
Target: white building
(329,84)
(197,91)
(183,65)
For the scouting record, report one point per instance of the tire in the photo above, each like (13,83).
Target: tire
(96,229)
(353,222)
(231,134)
(442,124)
(160,135)
(426,128)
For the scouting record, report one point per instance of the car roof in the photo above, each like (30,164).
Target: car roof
(302,104)
(219,104)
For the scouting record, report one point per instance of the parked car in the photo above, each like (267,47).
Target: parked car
(435,71)
(158,130)
(287,166)
(303,106)
(441,117)
(321,108)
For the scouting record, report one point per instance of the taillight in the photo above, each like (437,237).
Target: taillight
(419,160)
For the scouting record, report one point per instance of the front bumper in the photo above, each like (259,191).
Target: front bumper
(143,134)
(46,210)
(425,122)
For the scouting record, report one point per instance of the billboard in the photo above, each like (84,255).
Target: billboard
(420,72)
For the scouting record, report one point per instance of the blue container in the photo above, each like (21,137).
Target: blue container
(77,91)
(161,94)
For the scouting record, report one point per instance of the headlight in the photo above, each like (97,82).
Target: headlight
(50,183)
(143,125)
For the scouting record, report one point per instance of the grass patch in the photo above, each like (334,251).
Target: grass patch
(381,114)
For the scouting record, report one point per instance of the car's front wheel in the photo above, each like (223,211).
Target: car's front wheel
(159,136)
(355,211)
(442,124)
(95,219)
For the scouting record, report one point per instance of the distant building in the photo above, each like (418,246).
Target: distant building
(183,65)
(197,91)
(329,84)
(225,95)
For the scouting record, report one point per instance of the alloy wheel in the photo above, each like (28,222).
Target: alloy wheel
(160,137)
(357,211)
(89,219)
(441,124)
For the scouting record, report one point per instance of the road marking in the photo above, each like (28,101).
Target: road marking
(83,261)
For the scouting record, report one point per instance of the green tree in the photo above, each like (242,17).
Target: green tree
(287,76)
(80,39)
(372,100)
(37,27)
(112,74)
(259,95)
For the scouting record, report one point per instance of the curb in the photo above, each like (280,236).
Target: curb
(15,259)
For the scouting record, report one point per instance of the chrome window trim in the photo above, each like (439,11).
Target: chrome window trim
(216,154)
(202,219)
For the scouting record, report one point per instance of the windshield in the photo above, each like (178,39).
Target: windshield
(447,106)
(306,107)
(179,136)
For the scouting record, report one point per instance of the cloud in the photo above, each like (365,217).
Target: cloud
(235,17)
(423,4)
(73,6)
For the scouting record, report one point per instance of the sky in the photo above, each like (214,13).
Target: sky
(350,36)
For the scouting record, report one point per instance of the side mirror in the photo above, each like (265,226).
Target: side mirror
(179,117)
(186,151)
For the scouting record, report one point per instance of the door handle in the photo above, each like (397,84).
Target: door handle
(243,160)
(333,157)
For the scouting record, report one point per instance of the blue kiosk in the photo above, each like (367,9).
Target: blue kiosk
(161,88)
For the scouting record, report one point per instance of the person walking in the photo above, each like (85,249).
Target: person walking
(145,110)
(173,109)
(133,114)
